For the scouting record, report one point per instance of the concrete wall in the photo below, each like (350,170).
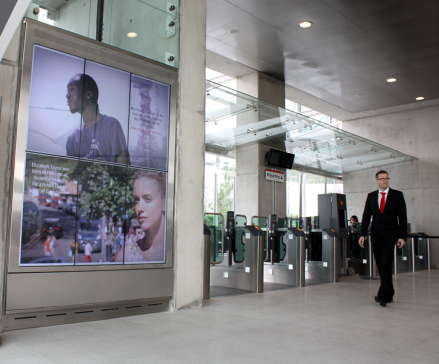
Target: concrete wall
(254,195)
(189,174)
(8,89)
(414,132)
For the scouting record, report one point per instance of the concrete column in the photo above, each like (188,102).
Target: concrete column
(189,173)
(8,89)
(255,195)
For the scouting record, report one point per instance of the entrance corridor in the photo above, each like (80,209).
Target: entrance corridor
(326,323)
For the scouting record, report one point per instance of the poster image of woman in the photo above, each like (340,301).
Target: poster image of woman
(146,240)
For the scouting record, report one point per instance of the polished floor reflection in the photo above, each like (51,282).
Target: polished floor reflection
(327,323)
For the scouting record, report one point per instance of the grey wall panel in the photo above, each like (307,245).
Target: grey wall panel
(27,292)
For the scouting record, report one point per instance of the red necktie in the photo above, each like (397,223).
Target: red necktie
(383,201)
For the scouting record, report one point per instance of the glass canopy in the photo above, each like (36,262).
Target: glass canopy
(234,119)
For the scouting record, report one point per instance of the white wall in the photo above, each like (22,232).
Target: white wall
(414,132)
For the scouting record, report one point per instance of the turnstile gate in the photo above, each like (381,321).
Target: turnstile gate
(247,274)
(290,269)
(323,256)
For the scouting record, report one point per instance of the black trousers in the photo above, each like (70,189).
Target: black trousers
(383,253)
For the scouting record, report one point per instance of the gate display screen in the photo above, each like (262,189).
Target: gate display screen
(96,165)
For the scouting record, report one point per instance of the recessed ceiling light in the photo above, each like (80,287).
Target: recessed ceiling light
(391,79)
(420,98)
(233,31)
(305,24)
(132,35)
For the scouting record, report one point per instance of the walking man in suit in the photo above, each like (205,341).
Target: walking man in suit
(389,226)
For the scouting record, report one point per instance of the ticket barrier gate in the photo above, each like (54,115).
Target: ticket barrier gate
(322,255)
(285,254)
(360,260)
(241,266)
(414,255)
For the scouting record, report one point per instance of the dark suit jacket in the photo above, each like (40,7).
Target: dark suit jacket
(392,223)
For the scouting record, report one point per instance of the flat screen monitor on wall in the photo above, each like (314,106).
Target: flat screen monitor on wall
(278,158)
(93,159)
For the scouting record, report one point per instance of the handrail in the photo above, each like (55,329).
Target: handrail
(222,235)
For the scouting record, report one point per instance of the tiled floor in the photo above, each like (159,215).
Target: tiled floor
(328,323)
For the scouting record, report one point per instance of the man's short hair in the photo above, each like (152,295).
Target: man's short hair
(89,84)
(380,172)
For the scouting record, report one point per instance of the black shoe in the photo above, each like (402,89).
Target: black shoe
(380,301)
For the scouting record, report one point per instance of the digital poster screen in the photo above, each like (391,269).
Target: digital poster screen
(95,183)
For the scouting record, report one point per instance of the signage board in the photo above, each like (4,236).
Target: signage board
(275,176)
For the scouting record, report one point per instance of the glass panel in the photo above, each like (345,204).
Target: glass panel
(149,28)
(219,178)
(282,249)
(144,27)
(296,223)
(236,119)
(312,186)
(215,223)
(281,223)
(334,185)
(262,223)
(75,16)
(240,222)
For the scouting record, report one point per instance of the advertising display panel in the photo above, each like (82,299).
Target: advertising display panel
(95,188)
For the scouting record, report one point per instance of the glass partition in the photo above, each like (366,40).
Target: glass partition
(262,222)
(234,119)
(149,28)
(240,222)
(219,183)
(215,223)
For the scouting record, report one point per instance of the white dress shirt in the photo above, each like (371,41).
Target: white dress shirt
(380,196)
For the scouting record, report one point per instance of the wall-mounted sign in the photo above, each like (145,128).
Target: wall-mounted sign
(275,176)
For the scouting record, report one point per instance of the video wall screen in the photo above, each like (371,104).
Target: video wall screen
(95,183)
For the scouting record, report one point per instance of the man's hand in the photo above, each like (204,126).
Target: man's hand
(361,241)
(401,243)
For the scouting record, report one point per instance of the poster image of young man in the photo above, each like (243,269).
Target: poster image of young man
(100,137)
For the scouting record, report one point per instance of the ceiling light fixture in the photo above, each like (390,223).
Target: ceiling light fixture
(233,31)
(420,98)
(305,24)
(132,35)
(391,79)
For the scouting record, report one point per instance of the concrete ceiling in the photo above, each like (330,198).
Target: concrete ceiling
(345,58)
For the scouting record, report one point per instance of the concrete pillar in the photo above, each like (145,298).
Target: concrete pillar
(189,173)
(8,89)
(255,195)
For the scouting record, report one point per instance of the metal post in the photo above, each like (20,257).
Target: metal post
(371,262)
(206,275)
(260,266)
(428,253)
(336,259)
(370,257)
(302,261)
(395,262)
(413,254)
(345,257)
